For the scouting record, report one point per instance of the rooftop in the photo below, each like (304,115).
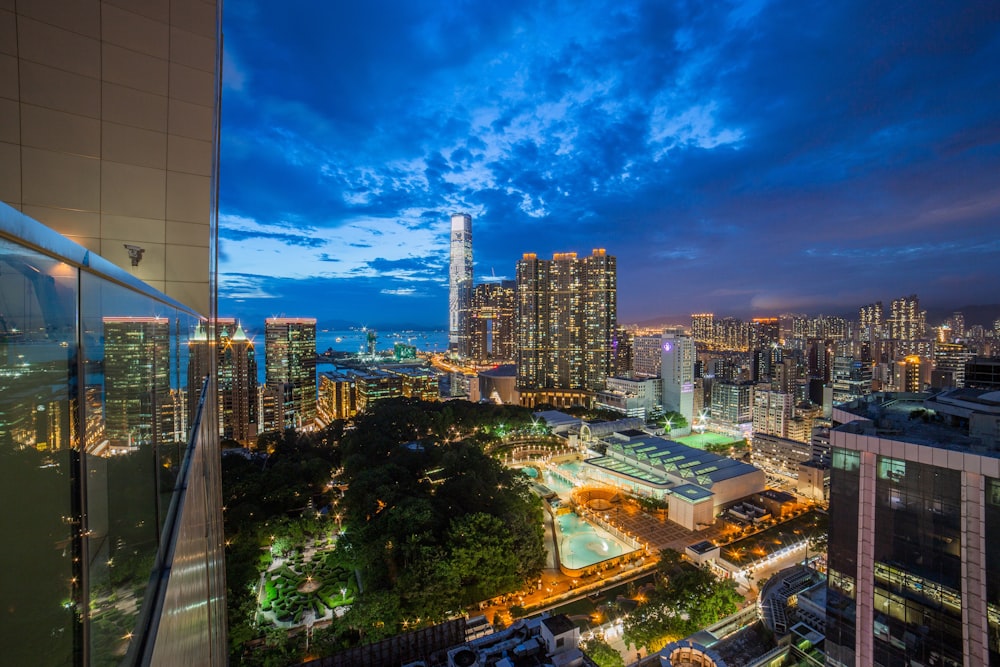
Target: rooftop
(934,420)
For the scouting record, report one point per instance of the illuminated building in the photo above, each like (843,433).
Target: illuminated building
(460,284)
(237,378)
(949,365)
(493,322)
(850,378)
(419,383)
(732,403)
(914,555)
(765,332)
(870,321)
(376,385)
(775,453)
(290,367)
(772,411)
(624,351)
(137,381)
(732,334)
(647,355)
(567,320)
(912,378)
(703,328)
(907,323)
(677,370)
(337,396)
(633,397)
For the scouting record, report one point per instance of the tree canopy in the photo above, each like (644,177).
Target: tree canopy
(430,515)
(684,600)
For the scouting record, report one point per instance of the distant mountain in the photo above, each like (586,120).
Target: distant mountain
(984,314)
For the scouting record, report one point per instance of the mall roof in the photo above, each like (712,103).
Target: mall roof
(675,459)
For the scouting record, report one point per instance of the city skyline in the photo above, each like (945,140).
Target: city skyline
(741,159)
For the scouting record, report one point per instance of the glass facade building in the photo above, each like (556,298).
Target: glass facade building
(914,575)
(109,482)
(109,489)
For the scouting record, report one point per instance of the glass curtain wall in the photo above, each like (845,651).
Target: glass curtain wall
(94,429)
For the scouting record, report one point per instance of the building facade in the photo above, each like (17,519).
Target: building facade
(108,142)
(137,406)
(236,368)
(647,355)
(913,556)
(567,319)
(290,358)
(460,284)
(677,370)
(493,322)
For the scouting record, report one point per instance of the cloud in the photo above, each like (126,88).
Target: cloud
(668,132)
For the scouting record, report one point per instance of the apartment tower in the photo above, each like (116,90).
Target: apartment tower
(567,319)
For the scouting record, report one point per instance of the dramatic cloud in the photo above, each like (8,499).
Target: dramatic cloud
(741,157)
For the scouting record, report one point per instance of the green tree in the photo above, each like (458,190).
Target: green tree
(603,655)
(483,556)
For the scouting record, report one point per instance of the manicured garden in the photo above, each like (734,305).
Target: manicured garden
(301,585)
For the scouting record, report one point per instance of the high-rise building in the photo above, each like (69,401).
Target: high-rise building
(677,370)
(732,334)
(460,284)
(236,365)
(290,367)
(703,328)
(732,403)
(914,552)
(647,354)
(108,140)
(907,323)
(493,322)
(567,320)
(949,365)
(772,411)
(870,322)
(137,381)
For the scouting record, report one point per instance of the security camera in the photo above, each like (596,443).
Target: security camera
(134,253)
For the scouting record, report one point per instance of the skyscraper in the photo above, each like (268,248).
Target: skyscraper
(493,322)
(137,404)
(567,319)
(914,551)
(460,284)
(871,326)
(907,323)
(290,367)
(237,377)
(677,369)
(703,328)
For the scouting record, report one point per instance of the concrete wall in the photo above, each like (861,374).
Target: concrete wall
(107,117)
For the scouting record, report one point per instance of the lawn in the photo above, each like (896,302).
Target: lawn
(700,440)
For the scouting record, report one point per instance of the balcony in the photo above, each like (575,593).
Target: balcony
(109,478)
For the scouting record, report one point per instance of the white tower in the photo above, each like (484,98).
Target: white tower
(460,284)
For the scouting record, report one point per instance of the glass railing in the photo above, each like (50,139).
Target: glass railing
(108,480)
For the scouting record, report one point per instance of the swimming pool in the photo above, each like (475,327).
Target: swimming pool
(582,544)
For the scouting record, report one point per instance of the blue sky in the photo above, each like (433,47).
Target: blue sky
(745,158)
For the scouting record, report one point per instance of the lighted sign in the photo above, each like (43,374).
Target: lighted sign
(667,346)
